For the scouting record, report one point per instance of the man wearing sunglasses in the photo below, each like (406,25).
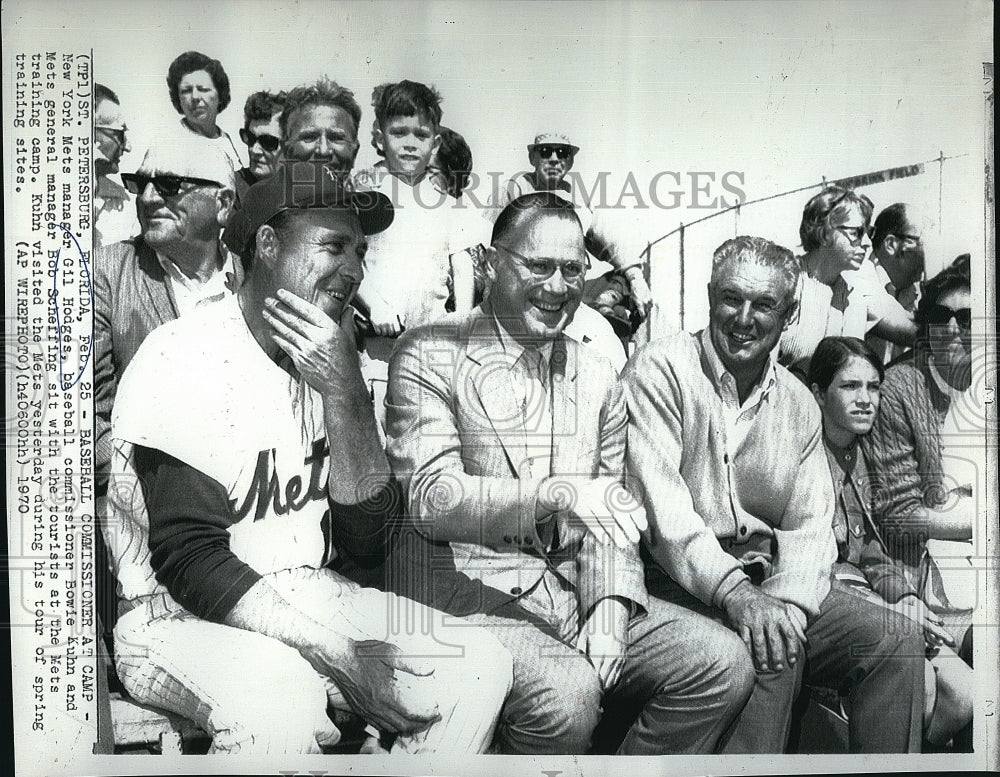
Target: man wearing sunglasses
(552,156)
(262,135)
(114,214)
(184,192)
(509,439)
(897,261)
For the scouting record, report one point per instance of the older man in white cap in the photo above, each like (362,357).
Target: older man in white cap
(552,156)
(184,193)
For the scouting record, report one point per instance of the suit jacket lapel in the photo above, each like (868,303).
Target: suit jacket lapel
(155,280)
(495,389)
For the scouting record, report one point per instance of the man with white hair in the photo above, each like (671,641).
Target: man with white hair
(184,192)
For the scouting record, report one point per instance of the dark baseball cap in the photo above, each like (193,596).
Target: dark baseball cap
(299,186)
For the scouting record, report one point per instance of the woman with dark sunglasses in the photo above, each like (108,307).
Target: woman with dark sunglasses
(199,91)
(924,481)
(837,291)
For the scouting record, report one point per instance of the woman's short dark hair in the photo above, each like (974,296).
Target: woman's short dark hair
(833,353)
(190,62)
(816,228)
(261,106)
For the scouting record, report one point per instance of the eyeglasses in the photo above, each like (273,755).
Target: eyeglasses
(942,314)
(563,152)
(118,133)
(854,234)
(165,185)
(543,269)
(915,238)
(267,142)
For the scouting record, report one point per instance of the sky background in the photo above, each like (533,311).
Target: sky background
(783,94)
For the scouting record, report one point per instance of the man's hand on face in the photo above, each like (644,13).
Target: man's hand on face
(771,633)
(316,345)
(602,505)
(395,693)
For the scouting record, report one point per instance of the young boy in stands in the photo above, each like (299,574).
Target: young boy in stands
(420,267)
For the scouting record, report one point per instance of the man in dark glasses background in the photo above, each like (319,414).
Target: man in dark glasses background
(184,191)
(552,156)
(262,135)
(898,261)
(114,215)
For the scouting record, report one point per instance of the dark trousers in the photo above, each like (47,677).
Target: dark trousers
(872,654)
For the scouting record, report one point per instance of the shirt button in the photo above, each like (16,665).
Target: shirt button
(507,539)
(516,590)
(527,540)
(743,530)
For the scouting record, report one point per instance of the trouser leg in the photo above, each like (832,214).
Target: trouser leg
(877,655)
(764,724)
(688,676)
(555,702)
(254,695)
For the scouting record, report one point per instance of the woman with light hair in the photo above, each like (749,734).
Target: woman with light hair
(838,293)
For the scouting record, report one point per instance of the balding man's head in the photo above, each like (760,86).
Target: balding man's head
(898,243)
(536,266)
(185,192)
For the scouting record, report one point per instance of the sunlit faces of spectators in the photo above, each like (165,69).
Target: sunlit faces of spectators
(263,162)
(949,336)
(110,137)
(199,100)
(851,400)
(551,163)
(536,275)
(749,307)
(849,242)
(197,211)
(408,143)
(316,254)
(322,133)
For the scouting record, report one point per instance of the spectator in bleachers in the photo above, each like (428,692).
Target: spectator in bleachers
(184,192)
(199,91)
(728,446)
(114,213)
(261,133)
(834,298)
(422,266)
(924,481)
(897,260)
(845,376)
(451,163)
(552,157)
(320,124)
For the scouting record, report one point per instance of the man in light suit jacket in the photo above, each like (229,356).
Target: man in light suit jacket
(510,441)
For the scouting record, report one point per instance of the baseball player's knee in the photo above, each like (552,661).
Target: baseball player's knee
(491,667)
(278,717)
